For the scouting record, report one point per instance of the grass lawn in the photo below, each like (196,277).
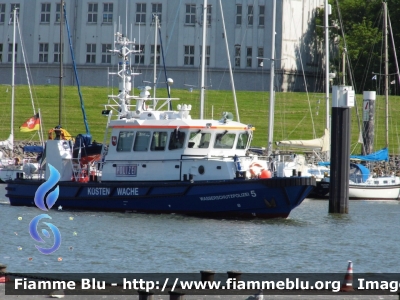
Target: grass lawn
(297,115)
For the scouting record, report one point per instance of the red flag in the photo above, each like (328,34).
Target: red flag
(31,124)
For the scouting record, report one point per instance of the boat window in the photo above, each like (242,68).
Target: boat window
(199,140)
(242,140)
(159,141)
(224,140)
(125,141)
(176,140)
(142,141)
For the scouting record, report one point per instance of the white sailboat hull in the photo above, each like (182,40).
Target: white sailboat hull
(379,188)
(374,192)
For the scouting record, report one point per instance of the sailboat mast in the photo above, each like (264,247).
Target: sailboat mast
(229,62)
(155,60)
(60,92)
(385,30)
(13,78)
(271,86)
(327,70)
(203,60)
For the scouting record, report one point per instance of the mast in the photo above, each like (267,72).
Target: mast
(327,70)
(155,60)
(203,60)
(13,79)
(229,62)
(61,62)
(385,30)
(271,87)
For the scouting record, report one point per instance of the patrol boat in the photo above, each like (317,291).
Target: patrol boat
(160,160)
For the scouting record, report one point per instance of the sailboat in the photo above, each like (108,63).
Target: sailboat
(161,160)
(384,186)
(364,184)
(297,162)
(12,167)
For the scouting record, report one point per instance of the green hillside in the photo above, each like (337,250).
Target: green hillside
(296,114)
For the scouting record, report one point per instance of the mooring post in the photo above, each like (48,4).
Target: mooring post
(176,295)
(207,275)
(143,295)
(342,100)
(234,274)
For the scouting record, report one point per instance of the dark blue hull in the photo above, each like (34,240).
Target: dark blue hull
(258,198)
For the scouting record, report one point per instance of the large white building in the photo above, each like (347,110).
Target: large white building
(92,25)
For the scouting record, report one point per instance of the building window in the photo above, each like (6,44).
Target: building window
(208,15)
(45,13)
(190,18)
(260,55)
(10,50)
(58,11)
(250,15)
(207,55)
(261,16)
(2,13)
(249,55)
(237,56)
(238,14)
(139,56)
(156,9)
(57,52)
(91,53)
(189,56)
(92,12)
(105,54)
(152,55)
(107,12)
(141,13)
(43,52)
(1,53)
(17,6)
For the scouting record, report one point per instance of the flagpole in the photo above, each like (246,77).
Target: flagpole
(40,129)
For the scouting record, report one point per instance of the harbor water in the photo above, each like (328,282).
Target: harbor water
(310,240)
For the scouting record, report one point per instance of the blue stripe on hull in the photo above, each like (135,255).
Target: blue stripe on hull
(262,198)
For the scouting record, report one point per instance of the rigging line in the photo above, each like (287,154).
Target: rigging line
(76,73)
(165,69)
(352,81)
(247,24)
(173,26)
(25,64)
(395,56)
(394,49)
(366,75)
(298,124)
(304,76)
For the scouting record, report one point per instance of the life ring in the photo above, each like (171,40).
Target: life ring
(255,169)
